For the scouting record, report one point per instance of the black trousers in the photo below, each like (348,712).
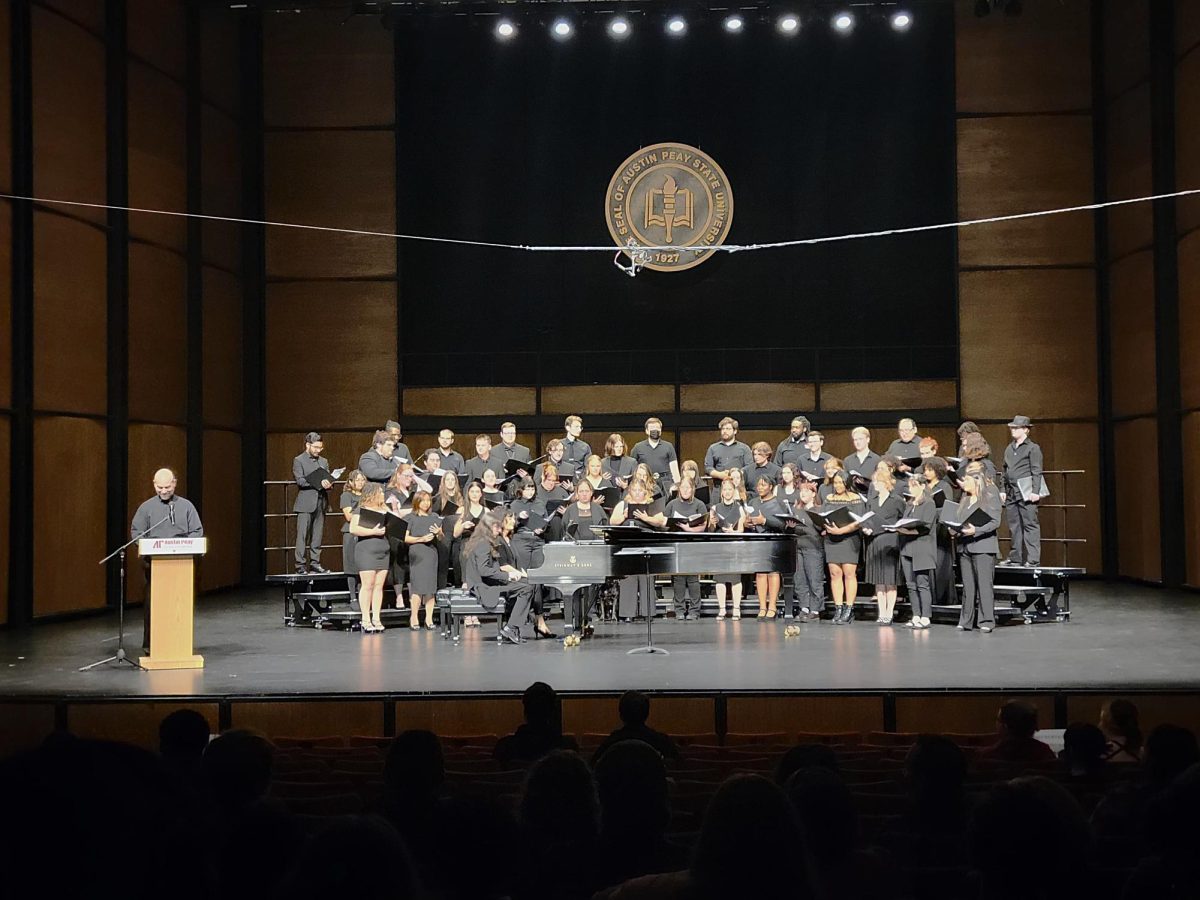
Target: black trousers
(398,566)
(518,603)
(920,588)
(808,584)
(979,599)
(310,532)
(944,592)
(686,593)
(1026,532)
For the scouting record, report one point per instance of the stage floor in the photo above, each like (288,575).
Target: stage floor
(1120,637)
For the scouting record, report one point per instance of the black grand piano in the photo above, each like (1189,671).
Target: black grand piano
(571,566)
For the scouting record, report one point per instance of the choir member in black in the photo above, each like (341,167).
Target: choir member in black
(881,553)
(685,589)
(808,582)
(617,465)
(464,526)
(762,467)
(452,460)
(575,450)
(918,551)
(447,503)
(400,449)
(509,449)
(789,482)
(765,516)
(423,535)
(862,462)
(728,515)
(492,495)
(941,491)
(658,454)
(977,550)
(908,444)
(638,506)
(577,524)
(975,448)
(793,447)
(833,465)
(484,459)
(494,578)
(967,427)
(843,546)
(310,504)
(593,473)
(813,461)
(398,496)
(528,543)
(351,495)
(1022,491)
(739,483)
(556,456)
(728,454)
(371,557)
(379,463)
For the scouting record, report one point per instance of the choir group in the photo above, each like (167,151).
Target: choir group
(906,516)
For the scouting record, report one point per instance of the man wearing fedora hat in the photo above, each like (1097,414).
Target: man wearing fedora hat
(1023,465)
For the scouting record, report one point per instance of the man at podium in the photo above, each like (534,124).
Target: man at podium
(165,515)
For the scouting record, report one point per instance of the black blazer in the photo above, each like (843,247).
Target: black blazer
(922,548)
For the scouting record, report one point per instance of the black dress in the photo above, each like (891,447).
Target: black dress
(882,551)
(371,553)
(422,558)
(349,566)
(844,549)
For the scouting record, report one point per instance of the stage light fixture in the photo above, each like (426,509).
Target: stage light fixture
(844,22)
(505,30)
(788,23)
(733,24)
(562,29)
(619,27)
(676,26)
(901,20)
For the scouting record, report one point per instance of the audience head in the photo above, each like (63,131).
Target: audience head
(559,801)
(1018,719)
(1169,750)
(936,767)
(805,756)
(631,783)
(414,761)
(634,708)
(824,805)
(1084,746)
(344,844)
(1119,718)
(541,706)
(182,736)
(237,768)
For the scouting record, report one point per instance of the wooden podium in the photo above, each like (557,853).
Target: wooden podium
(172,592)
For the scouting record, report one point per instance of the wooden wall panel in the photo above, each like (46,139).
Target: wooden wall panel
(222,351)
(5,105)
(71,535)
(1191,494)
(151,447)
(156,31)
(131,723)
(501,402)
(1039,62)
(314,719)
(157,334)
(331,355)
(1187,27)
(221,188)
(1136,450)
(1131,318)
(674,715)
(220,81)
(1187,131)
(1189,320)
(1126,46)
(68,113)
(1015,164)
(70,357)
(157,156)
(498,716)
(970,713)
(5,302)
(1028,343)
(1153,709)
(5,463)
(790,398)
(861,395)
(26,725)
(324,69)
(761,715)
(1129,227)
(222,509)
(343,179)
(608,398)
(88,13)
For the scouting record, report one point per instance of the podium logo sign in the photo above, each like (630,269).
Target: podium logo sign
(669,195)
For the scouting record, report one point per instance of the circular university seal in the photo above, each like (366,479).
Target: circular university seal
(669,195)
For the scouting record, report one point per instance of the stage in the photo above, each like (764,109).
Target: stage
(1120,637)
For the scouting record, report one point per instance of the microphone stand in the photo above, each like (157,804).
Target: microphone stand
(120,656)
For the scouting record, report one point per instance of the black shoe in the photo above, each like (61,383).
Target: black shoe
(547,635)
(848,615)
(510,634)
(318,569)
(837,615)
(301,570)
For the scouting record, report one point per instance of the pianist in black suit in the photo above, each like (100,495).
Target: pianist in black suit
(528,543)
(494,578)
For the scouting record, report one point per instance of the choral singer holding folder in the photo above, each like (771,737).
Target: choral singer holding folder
(313,480)
(974,525)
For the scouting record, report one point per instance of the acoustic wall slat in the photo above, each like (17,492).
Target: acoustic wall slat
(1136,450)
(1016,164)
(1129,227)
(331,355)
(1131,315)
(88,13)
(787,397)
(608,398)
(1191,493)
(761,715)
(132,723)
(219,71)
(222,349)
(5,463)
(324,69)
(5,105)
(151,447)
(1036,63)
(1187,27)
(1126,46)
(1189,320)
(1028,343)
(222,509)
(221,189)
(331,178)
(853,396)
(157,334)
(156,31)
(970,713)
(70,535)
(313,719)
(1187,134)
(68,113)
(70,313)
(157,156)
(5,302)
(470,401)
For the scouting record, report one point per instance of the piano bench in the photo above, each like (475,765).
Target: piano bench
(455,604)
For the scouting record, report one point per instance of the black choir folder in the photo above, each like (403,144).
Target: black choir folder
(977,519)
(839,515)
(918,525)
(316,476)
(607,497)
(680,520)
(370,518)
(511,467)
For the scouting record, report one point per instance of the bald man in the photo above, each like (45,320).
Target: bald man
(165,515)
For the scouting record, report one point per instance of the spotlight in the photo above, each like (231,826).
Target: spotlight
(562,29)
(619,27)
(676,26)
(843,21)
(788,24)
(505,30)
(901,20)
(733,24)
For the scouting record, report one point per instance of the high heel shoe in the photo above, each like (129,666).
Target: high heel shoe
(377,626)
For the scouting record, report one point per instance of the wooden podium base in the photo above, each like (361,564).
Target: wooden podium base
(187,662)
(172,580)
